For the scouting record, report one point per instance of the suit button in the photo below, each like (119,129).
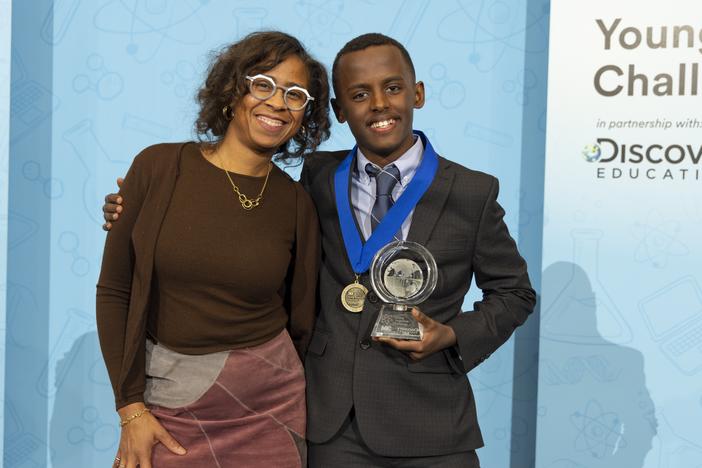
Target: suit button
(365,344)
(372,298)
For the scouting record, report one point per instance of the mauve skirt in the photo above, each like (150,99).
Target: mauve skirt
(239,408)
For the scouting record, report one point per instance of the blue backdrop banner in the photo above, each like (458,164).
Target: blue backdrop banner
(94,82)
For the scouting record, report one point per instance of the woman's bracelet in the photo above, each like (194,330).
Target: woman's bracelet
(133,416)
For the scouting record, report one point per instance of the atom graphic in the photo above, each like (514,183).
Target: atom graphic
(599,433)
(148,24)
(494,27)
(322,21)
(658,242)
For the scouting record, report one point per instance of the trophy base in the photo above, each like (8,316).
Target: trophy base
(397,322)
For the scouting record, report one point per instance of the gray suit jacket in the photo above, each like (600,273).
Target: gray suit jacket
(406,408)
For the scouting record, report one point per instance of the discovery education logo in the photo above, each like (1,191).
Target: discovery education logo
(616,161)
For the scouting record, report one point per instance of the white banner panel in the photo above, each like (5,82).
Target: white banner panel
(620,377)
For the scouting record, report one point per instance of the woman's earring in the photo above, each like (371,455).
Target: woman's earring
(227,112)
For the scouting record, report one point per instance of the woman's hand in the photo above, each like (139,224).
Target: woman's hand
(139,436)
(112,207)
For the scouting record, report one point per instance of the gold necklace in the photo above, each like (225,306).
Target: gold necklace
(247,203)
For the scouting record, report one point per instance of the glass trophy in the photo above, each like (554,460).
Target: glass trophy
(403,274)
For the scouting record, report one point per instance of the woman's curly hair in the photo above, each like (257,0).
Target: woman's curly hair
(226,85)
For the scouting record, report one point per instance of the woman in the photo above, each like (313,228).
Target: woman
(207,285)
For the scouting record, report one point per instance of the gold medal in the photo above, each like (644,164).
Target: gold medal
(353,296)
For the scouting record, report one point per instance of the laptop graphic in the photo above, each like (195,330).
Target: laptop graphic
(674,318)
(30,102)
(22,449)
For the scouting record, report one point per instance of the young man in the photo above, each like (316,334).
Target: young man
(390,402)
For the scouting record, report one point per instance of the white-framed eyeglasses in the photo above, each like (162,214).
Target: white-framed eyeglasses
(263,87)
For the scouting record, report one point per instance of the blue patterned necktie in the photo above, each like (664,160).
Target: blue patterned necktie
(385,180)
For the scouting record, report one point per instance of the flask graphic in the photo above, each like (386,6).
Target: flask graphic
(98,169)
(583,312)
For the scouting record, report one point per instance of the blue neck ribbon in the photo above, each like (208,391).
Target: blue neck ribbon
(361,255)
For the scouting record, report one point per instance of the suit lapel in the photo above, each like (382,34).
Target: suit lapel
(430,206)
(337,226)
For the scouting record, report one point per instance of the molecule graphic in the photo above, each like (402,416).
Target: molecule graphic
(93,430)
(106,84)
(180,78)
(450,93)
(52,187)
(69,243)
(521,86)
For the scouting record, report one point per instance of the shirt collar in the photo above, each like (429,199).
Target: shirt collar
(407,164)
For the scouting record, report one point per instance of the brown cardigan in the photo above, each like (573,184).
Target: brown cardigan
(123,294)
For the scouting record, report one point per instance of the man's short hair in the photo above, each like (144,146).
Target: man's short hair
(364,41)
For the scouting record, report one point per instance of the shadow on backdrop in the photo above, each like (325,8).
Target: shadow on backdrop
(83,429)
(595,410)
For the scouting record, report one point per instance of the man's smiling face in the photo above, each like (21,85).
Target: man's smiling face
(376,94)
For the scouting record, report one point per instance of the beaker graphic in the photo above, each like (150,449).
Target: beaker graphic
(584,313)
(249,20)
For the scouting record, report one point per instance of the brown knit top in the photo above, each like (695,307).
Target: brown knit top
(222,276)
